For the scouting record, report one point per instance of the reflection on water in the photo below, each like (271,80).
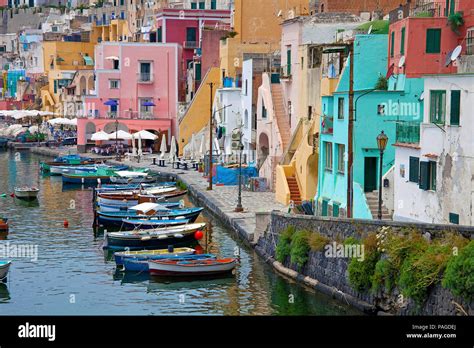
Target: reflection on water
(71,261)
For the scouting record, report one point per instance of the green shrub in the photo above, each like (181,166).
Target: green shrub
(300,248)
(384,276)
(399,247)
(283,247)
(459,275)
(382,83)
(421,270)
(456,21)
(351,241)
(317,241)
(361,272)
(181,185)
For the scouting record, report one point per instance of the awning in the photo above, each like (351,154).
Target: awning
(112,58)
(88,60)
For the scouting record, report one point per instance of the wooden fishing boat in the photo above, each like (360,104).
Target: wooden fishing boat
(204,267)
(70,160)
(119,256)
(125,206)
(4,268)
(133,187)
(3,225)
(129,177)
(153,239)
(133,264)
(135,195)
(26,193)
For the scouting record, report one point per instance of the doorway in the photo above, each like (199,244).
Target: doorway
(370,174)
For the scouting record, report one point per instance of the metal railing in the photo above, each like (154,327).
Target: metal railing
(327,125)
(145,78)
(191,44)
(285,72)
(408,132)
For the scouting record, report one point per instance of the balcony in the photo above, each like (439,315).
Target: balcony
(190,44)
(146,78)
(327,125)
(433,8)
(408,133)
(285,72)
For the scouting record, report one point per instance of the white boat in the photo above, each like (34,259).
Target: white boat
(160,233)
(4,268)
(129,177)
(59,170)
(26,193)
(205,267)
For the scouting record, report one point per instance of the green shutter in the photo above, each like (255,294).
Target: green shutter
(455,107)
(198,72)
(288,60)
(424,183)
(452,7)
(193,5)
(402,42)
(55,86)
(202,5)
(433,40)
(325,208)
(432,171)
(335,210)
(414,169)
(213,4)
(454,218)
(392,45)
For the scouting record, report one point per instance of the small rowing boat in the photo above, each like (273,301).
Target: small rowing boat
(3,225)
(125,206)
(204,267)
(119,256)
(153,239)
(26,193)
(133,264)
(129,177)
(4,268)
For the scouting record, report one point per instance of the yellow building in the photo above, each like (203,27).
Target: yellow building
(61,61)
(116,30)
(256,30)
(197,115)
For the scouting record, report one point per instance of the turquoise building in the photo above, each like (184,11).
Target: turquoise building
(375,111)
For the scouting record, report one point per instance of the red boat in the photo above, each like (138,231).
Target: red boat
(191,267)
(3,225)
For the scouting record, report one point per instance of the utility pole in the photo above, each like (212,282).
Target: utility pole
(350,157)
(211,85)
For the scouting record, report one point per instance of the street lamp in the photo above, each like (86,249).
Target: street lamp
(38,130)
(239,208)
(382,141)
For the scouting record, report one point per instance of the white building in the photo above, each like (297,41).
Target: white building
(433,179)
(249,110)
(31,51)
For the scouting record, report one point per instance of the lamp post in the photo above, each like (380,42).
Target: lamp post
(239,208)
(38,131)
(382,140)
(211,85)
(116,139)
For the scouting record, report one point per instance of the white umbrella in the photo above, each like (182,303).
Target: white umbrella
(193,147)
(72,122)
(216,144)
(140,152)
(120,135)
(33,129)
(134,149)
(173,149)
(202,147)
(146,135)
(163,146)
(58,120)
(100,136)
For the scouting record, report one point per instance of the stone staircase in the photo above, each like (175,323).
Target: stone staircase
(281,115)
(295,194)
(373,202)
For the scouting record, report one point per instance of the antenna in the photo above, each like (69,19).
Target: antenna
(422,96)
(370,30)
(401,62)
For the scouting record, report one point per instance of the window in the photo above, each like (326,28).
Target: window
(264,111)
(402,41)
(3,48)
(325,205)
(433,40)
(341,149)
(328,156)
(470,41)
(194,5)
(340,108)
(114,84)
(213,4)
(454,218)
(145,71)
(310,112)
(455,107)
(414,169)
(116,64)
(197,68)
(335,209)
(202,5)
(160,34)
(437,106)
(145,109)
(392,45)
(314,57)
(191,34)
(288,60)
(428,176)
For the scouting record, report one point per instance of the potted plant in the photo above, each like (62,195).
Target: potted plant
(456,21)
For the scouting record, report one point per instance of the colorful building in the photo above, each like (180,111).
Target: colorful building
(375,110)
(139,80)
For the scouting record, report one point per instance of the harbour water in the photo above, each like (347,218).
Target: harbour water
(74,276)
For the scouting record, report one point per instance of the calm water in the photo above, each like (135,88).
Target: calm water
(73,275)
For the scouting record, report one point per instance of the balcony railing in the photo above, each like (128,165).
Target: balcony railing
(408,132)
(327,125)
(191,44)
(285,72)
(433,8)
(145,78)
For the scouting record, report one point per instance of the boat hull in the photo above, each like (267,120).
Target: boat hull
(4,268)
(141,264)
(117,219)
(139,244)
(84,180)
(158,268)
(120,256)
(26,195)
(114,208)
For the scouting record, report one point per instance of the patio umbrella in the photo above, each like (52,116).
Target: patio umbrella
(148,103)
(120,135)
(140,152)
(173,149)
(163,146)
(146,135)
(134,149)
(100,136)
(111,102)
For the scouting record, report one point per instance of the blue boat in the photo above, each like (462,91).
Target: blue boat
(111,208)
(170,251)
(133,187)
(116,218)
(136,264)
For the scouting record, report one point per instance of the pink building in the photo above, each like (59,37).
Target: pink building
(424,37)
(185,27)
(136,84)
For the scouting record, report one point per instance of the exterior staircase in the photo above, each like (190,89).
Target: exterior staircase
(295,194)
(281,115)
(373,202)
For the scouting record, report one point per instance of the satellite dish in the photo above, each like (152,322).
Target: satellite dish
(456,53)
(401,62)
(448,59)
(422,96)
(370,30)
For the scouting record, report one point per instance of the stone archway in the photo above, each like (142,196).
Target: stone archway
(111,127)
(82,85)
(90,84)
